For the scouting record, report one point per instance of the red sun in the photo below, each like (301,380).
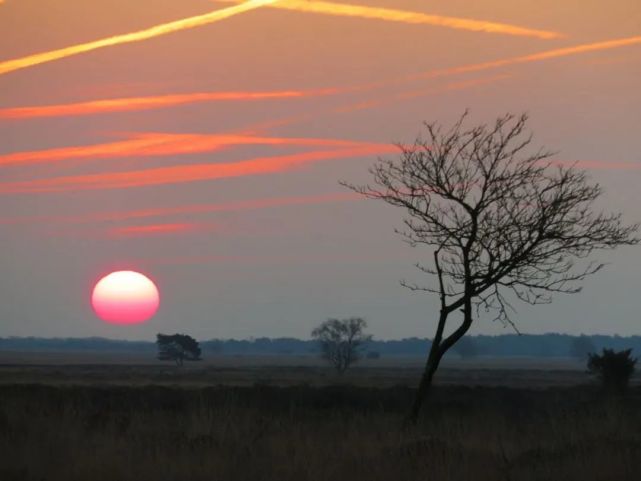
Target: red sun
(125,297)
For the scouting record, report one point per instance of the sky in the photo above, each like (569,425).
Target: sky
(202,143)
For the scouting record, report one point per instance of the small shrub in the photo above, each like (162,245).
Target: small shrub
(373,355)
(614,369)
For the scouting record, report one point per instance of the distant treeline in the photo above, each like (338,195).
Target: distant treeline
(509,345)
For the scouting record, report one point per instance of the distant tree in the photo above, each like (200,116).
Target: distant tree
(501,220)
(373,355)
(466,348)
(582,346)
(177,348)
(341,341)
(613,368)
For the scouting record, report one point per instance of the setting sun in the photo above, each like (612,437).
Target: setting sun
(125,297)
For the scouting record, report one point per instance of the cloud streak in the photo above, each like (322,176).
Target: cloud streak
(129,104)
(238,206)
(190,173)
(153,229)
(404,16)
(463,69)
(535,57)
(138,36)
(453,86)
(156,144)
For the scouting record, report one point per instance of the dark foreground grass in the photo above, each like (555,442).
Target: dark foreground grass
(302,433)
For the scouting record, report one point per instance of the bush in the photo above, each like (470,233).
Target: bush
(614,369)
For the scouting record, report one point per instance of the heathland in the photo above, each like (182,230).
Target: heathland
(127,417)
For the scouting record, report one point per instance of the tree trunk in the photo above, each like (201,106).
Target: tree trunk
(426,383)
(439,347)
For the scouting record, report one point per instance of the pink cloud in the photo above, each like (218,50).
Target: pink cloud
(191,173)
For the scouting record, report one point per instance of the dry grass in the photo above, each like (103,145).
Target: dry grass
(307,433)
(142,369)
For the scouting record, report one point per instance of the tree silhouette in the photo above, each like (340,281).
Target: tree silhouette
(614,369)
(177,348)
(502,222)
(340,341)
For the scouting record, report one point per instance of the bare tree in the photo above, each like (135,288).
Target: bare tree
(503,222)
(340,341)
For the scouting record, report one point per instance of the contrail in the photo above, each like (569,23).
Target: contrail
(146,103)
(463,69)
(535,57)
(128,104)
(492,64)
(243,205)
(452,86)
(404,16)
(437,73)
(155,144)
(155,31)
(190,173)
(153,229)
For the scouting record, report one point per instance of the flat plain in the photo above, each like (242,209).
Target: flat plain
(130,368)
(119,416)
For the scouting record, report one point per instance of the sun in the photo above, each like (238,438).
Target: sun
(125,297)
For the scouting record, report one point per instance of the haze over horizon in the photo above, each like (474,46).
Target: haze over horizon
(204,149)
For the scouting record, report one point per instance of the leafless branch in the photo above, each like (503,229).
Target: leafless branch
(501,219)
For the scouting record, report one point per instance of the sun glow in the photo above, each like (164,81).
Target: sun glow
(125,297)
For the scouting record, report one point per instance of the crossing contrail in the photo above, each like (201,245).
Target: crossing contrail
(151,32)
(404,16)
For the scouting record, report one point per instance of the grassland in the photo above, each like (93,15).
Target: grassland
(56,368)
(241,421)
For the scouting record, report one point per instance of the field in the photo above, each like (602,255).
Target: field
(143,369)
(126,418)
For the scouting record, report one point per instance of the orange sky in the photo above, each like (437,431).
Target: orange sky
(129,37)
(127,104)
(190,173)
(405,16)
(156,144)
(112,111)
